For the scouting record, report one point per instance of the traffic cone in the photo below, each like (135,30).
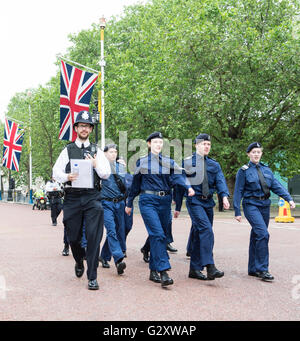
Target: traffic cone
(284,214)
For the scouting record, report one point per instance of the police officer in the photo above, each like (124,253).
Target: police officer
(54,194)
(153,179)
(254,182)
(113,202)
(83,203)
(200,207)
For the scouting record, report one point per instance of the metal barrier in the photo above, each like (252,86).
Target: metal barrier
(15,196)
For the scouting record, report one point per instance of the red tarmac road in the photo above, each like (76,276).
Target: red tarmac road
(38,284)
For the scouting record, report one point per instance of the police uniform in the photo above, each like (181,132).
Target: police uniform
(113,202)
(83,203)
(54,193)
(256,207)
(200,208)
(153,179)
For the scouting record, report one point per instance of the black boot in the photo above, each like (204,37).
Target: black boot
(197,274)
(171,248)
(120,265)
(93,284)
(165,279)
(79,268)
(213,272)
(265,276)
(65,251)
(104,263)
(154,276)
(145,255)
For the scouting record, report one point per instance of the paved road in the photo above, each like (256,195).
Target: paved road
(38,284)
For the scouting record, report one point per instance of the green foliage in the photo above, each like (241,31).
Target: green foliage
(229,68)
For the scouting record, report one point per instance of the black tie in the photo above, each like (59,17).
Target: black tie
(205,187)
(263,182)
(82,146)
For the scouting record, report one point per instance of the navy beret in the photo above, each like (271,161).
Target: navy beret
(109,146)
(154,135)
(253,145)
(202,136)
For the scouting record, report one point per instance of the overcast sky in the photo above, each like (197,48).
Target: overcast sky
(33,32)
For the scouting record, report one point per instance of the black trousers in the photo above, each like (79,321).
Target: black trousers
(78,206)
(56,207)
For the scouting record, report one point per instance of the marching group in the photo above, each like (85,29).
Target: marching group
(157,181)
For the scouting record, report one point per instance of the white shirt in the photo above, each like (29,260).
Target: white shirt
(52,186)
(102,169)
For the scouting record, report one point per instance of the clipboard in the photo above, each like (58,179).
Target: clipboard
(84,169)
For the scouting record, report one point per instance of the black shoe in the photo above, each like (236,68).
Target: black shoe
(124,253)
(79,268)
(165,279)
(145,255)
(197,274)
(104,263)
(120,265)
(265,276)
(213,272)
(66,251)
(254,274)
(171,248)
(54,224)
(188,255)
(154,276)
(93,284)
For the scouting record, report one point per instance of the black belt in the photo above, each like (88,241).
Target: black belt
(203,197)
(258,198)
(115,200)
(70,190)
(159,193)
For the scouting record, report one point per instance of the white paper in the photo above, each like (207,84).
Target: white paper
(85,177)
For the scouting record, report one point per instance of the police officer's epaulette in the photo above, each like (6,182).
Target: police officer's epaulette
(188,158)
(244,167)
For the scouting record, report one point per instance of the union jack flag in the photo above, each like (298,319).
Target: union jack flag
(12,145)
(76,87)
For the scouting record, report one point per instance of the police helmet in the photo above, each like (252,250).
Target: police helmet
(84,117)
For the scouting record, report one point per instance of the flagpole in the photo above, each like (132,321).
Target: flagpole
(102,64)
(81,65)
(30,155)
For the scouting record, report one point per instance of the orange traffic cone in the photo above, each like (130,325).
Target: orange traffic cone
(284,214)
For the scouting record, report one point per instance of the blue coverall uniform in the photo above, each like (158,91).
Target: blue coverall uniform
(200,208)
(153,179)
(256,208)
(113,203)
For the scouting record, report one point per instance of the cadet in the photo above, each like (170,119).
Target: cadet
(113,202)
(54,193)
(83,203)
(153,179)
(200,208)
(253,183)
